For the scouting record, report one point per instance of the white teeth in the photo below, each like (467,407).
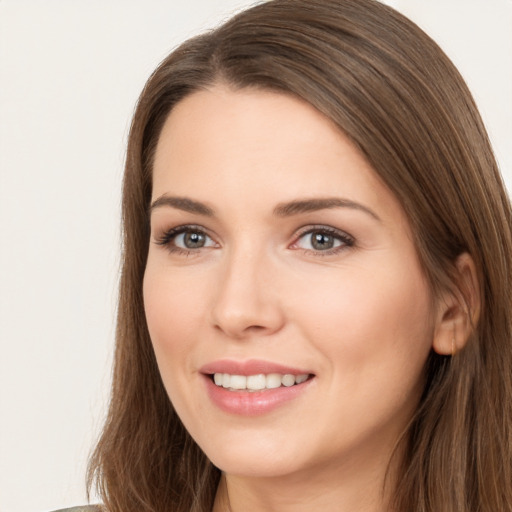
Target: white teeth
(288,380)
(238,382)
(301,378)
(273,381)
(257,382)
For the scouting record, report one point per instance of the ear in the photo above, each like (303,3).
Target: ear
(458,310)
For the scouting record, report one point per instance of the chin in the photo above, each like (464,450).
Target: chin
(256,465)
(245,453)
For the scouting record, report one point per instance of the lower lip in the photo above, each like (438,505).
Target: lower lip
(253,403)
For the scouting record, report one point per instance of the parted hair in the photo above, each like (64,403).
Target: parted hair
(401,101)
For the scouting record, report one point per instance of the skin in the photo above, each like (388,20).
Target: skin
(360,317)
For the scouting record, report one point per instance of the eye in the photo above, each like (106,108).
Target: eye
(185,239)
(191,240)
(323,239)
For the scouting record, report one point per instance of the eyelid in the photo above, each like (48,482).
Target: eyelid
(346,239)
(167,236)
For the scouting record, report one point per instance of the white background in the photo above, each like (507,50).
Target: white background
(70,73)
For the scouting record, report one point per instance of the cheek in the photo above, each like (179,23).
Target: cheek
(374,321)
(374,333)
(173,315)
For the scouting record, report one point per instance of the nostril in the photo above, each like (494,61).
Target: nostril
(255,328)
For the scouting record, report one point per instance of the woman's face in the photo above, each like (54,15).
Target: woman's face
(288,311)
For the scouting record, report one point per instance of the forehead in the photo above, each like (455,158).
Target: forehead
(251,117)
(249,145)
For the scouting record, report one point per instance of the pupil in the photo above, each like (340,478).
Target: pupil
(322,241)
(194,240)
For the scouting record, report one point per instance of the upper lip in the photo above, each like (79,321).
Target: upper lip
(249,367)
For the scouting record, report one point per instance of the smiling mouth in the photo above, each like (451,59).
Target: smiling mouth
(258,382)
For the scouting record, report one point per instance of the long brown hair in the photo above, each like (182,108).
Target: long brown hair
(391,89)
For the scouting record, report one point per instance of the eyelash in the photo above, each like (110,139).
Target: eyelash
(167,239)
(169,236)
(346,240)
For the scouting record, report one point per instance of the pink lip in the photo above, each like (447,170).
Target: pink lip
(251,403)
(249,367)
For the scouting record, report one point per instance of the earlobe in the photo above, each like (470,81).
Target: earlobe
(458,309)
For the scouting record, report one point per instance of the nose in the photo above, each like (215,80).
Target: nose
(247,300)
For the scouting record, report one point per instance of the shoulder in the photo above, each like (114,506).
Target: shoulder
(86,508)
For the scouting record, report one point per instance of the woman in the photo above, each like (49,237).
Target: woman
(315,297)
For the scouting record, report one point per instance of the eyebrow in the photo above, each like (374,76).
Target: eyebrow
(281,210)
(311,205)
(182,203)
